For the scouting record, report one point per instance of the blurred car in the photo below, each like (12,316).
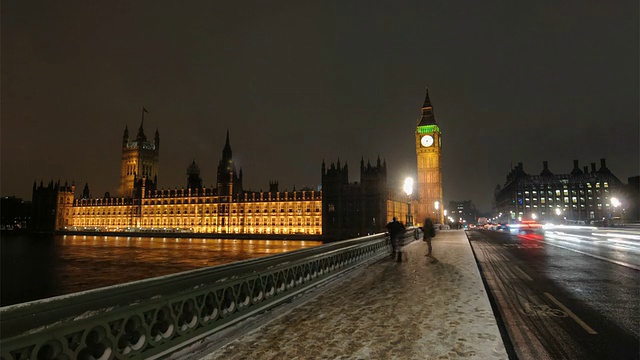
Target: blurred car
(527,230)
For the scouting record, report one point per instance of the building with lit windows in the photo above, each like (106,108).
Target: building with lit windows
(463,212)
(582,195)
(227,208)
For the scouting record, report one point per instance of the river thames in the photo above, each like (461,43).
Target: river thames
(40,266)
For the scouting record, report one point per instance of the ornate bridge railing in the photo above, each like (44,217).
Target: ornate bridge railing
(156,317)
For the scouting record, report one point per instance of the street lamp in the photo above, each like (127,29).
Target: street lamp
(437,206)
(408,189)
(616,203)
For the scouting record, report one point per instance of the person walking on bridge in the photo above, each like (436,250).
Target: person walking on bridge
(428,232)
(395,230)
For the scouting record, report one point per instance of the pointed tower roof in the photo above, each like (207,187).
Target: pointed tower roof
(125,136)
(226,152)
(427,117)
(141,136)
(427,101)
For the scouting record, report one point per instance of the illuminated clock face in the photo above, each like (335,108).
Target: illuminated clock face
(426,140)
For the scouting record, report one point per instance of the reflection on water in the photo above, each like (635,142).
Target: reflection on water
(40,266)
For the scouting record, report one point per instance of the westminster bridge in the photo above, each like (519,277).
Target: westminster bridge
(193,314)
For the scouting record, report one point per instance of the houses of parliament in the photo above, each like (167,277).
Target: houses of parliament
(340,209)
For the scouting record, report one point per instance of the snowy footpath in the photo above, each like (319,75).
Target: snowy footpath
(431,307)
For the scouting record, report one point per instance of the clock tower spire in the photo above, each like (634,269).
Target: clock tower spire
(427,112)
(428,153)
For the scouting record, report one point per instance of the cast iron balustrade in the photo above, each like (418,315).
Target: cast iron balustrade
(155,317)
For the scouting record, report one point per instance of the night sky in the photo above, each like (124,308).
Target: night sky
(296,82)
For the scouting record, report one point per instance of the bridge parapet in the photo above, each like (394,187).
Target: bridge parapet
(154,317)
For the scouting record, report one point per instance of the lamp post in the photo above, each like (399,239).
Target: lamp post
(408,189)
(436,205)
(615,203)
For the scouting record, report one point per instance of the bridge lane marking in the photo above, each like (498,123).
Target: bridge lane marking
(622,263)
(571,314)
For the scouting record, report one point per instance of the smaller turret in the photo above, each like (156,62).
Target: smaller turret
(603,167)
(545,169)
(85,192)
(194,181)
(576,169)
(157,139)
(125,137)
(141,138)
(273,186)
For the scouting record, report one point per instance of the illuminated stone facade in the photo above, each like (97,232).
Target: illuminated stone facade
(139,161)
(226,208)
(428,153)
(202,211)
(340,210)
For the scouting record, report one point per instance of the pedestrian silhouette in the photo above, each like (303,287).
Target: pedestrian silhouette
(428,232)
(395,229)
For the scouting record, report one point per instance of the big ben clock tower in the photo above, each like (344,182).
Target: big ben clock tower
(428,152)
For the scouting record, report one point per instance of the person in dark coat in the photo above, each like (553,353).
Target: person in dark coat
(428,232)
(395,229)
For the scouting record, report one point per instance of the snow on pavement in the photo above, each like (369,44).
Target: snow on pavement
(423,308)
